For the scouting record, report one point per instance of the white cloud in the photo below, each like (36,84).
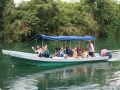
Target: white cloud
(18,1)
(71,0)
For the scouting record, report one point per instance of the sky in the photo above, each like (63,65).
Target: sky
(18,1)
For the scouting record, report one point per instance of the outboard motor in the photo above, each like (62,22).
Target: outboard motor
(109,54)
(105,52)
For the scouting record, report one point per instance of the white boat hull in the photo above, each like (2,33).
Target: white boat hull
(33,59)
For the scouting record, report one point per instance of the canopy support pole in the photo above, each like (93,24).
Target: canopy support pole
(79,43)
(36,43)
(83,44)
(70,43)
(42,42)
(58,43)
(94,44)
(66,43)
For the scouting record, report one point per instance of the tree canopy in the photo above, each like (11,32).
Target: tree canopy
(99,18)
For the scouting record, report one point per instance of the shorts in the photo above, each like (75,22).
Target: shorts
(91,54)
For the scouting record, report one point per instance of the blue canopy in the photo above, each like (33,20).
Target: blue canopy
(65,37)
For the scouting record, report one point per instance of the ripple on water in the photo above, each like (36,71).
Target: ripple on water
(87,87)
(24,84)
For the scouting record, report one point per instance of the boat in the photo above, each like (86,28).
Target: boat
(19,58)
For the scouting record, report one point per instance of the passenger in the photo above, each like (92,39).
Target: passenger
(55,52)
(60,53)
(90,48)
(36,50)
(39,50)
(43,48)
(75,55)
(103,52)
(66,50)
(46,52)
(84,53)
(70,52)
(79,51)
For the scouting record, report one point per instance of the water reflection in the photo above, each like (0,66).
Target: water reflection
(37,78)
(4,69)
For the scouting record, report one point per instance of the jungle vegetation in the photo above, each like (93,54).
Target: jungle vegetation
(100,18)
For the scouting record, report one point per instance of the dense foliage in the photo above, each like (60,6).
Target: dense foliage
(54,17)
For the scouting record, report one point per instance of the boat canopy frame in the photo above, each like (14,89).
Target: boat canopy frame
(58,38)
(45,37)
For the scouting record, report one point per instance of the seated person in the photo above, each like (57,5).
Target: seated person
(66,50)
(60,52)
(78,49)
(37,50)
(75,55)
(55,52)
(70,52)
(46,52)
(103,52)
(84,53)
(41,51)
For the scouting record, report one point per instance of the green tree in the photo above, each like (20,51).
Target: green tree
(8,19)
(105,13)
(2,6)
(54,17)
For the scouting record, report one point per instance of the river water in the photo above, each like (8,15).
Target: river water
(91,76)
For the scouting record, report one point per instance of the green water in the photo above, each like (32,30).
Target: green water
(96,76)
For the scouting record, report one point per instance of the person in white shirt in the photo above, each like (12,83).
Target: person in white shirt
(90,48)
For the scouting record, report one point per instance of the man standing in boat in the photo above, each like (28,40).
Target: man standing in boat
(90,48)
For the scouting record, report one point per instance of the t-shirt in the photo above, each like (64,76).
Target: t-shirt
(90,47)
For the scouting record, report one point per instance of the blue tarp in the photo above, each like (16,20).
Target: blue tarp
(65,37)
